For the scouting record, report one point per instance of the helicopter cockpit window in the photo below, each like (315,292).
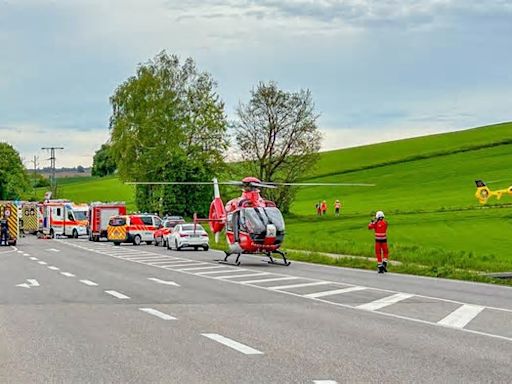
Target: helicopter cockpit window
(275,217)
(255,220)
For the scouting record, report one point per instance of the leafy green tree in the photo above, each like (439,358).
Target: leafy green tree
(278,137)
(14,181)
(168,124)
(103,162)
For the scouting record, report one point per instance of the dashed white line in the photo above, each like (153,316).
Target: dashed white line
(89,283)
(461,316)
(67,274)
(165,282)
(385,301)
(34,258)
(42,262)
(232,344)
(325,382)
(334,292)
(119,295)
(279,287)
(53,268)
(53,250)
(26,254)
(154,312)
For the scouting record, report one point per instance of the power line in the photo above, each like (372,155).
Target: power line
(52,159)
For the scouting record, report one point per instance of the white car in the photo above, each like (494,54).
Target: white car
(188,236)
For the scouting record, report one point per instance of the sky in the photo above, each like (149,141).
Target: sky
(378,69)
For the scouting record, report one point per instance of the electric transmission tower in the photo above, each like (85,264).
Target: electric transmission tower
(53,181)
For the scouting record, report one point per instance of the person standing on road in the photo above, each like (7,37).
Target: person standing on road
(380,226)
(4,231)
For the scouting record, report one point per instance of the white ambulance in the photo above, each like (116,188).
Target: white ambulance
(64,218)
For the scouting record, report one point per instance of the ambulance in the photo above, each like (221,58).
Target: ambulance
(29,213)
(9,213)
(64,218)
(133,229)
(99,216)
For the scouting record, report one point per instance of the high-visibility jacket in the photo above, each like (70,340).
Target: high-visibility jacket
(380,227)
(337,205)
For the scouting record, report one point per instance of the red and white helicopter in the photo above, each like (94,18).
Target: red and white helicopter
(253,224)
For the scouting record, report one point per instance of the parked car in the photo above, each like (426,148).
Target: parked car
(188,236)
(160,236)
(132,228)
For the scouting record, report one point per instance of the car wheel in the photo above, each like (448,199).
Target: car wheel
(195,248)
(137,240)
(206,248)
(117,243)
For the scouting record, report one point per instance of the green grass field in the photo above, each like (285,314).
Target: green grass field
(424,185)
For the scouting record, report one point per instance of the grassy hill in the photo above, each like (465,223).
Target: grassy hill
(424,185)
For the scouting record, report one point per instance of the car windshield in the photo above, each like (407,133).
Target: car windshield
(80,215)
(117,221)
(168,224)
(256,219)
(190,227)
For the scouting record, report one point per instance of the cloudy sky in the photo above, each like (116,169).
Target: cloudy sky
(378,69)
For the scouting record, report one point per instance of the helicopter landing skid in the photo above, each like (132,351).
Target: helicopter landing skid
(284,262)
(226,261)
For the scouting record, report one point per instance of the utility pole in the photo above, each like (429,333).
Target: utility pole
(35,162)
(53,181)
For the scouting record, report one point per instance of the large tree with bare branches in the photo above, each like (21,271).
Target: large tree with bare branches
(278,137)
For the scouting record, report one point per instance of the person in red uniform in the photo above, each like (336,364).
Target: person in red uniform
(380,226)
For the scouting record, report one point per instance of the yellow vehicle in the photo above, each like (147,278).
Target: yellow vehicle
(483,193)
(29,222)
(9,213)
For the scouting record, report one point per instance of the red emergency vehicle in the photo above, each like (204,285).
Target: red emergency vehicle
(99,216)
(133,228)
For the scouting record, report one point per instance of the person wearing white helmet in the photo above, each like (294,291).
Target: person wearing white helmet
(380,226)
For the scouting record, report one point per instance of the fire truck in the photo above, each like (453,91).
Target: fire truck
(99,216)
(64,218)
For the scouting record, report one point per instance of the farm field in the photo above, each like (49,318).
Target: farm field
(424,185)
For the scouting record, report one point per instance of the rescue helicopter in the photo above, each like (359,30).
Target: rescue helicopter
(483,192)
(253,224)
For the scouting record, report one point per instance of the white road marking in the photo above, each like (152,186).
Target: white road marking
(225,271)
(461,316)
(184,264)
(42,262)
(53,250)
(137,258)
(163,281)
(53,268)
(154,312)
(385,301)
(119,295)
(67,274)
(17,251)
(34,258)
(169,262)
(334,292)
(31,283)
(26,254)
(279,287)
(243,275)
(89,283)
(268,280)
(199,268)
(232,344)
(325,382)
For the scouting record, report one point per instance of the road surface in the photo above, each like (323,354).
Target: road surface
(74,311)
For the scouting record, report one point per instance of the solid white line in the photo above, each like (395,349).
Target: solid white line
(226,271)
(325,382)
(89,283)
(53,268)
(146,258)
(334,292)
(34,258)
(266,280)
(117,294)
(232,344)
(184,265)
(244,275)
(384,302)
(171,262)
(198,268)
(461,316)
(163,281)
(42,262)
(154,312)
(67,274)
(299,285)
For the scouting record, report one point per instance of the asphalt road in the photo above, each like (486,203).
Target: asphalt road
(73,311)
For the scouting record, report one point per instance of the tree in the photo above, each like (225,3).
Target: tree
(80,169)
(14,181)
(168,124)
(103,163)
(278,138)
